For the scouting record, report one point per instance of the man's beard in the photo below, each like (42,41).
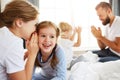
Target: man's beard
(107,20)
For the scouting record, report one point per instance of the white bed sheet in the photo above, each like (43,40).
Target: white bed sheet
(95,71)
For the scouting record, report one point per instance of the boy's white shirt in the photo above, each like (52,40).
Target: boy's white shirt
(67,46)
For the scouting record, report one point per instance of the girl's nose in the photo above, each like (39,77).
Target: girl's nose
(47,38)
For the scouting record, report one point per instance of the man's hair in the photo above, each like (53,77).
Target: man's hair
(104,5)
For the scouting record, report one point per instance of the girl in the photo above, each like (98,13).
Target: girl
(51,57)
(17,22)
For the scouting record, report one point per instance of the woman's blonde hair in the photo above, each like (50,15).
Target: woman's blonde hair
(17,9)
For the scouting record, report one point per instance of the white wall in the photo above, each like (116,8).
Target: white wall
(3,3)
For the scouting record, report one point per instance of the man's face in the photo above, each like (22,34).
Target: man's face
(106,21)
(103,16)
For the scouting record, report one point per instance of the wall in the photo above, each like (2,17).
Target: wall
(116,6)
(0,5)
(35,2)
(3,3)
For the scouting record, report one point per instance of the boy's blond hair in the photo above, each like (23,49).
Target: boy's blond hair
(65,27)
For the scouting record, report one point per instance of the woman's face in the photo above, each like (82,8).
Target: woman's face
(47,40)
(28,28)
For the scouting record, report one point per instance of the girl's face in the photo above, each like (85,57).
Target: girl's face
(47,40)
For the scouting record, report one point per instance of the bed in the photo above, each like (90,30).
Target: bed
(91,69)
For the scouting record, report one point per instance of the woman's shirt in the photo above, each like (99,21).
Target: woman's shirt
(11,53)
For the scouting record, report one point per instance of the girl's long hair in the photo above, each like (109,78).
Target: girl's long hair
(54,61)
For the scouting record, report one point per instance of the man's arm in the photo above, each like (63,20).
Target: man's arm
(114,45)
(98,33)
(101,44)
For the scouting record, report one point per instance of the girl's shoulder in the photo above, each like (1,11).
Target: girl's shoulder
(59,50)
(58,47)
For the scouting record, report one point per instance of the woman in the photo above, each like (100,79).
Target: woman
(17,22)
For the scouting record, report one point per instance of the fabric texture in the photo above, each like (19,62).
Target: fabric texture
(67,46)
(47,72)
(113,31)
(11,53)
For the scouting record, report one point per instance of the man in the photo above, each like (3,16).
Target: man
(110,43)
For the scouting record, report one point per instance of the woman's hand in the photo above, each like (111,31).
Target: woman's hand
(32,45)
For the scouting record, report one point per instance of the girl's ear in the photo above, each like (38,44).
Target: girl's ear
(18,22)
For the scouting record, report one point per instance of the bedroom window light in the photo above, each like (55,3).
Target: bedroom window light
(75,13)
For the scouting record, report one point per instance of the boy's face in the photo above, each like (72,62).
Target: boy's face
(69,33)
(66,34)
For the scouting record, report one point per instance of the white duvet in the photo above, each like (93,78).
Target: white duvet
(93,70)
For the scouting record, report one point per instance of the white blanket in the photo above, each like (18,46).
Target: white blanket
(93,70)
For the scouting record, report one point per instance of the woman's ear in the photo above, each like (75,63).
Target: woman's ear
(18,22)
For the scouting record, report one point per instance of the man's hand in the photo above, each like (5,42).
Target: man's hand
(96,32)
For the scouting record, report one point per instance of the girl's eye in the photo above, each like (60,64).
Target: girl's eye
(52,36)
(42,35)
